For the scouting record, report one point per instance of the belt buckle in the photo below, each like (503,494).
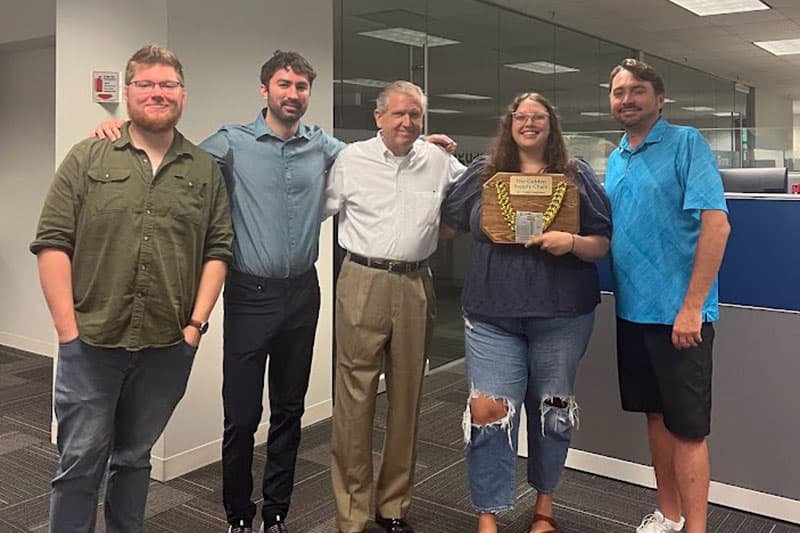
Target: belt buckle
(390,265)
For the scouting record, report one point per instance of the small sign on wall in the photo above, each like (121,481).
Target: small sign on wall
(105,86)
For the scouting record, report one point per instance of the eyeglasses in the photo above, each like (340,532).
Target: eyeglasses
(522,118)
(148,85)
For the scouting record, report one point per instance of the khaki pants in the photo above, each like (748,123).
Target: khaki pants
(379,315)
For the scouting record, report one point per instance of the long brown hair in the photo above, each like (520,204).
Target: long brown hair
(505,153)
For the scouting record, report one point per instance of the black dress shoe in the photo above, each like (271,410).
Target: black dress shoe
(394,525)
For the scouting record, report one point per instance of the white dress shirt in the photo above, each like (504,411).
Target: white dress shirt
(388,205)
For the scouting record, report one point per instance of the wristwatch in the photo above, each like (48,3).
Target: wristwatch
(202,327)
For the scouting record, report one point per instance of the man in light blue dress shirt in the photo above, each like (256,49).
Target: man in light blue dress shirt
(275,168)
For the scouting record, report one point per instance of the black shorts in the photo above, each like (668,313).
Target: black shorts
(655,377)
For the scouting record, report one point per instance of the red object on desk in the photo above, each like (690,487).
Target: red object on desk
(795,188)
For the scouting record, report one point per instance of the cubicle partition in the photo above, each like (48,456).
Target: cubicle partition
(755,433)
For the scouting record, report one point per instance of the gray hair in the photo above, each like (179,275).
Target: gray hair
(403,87)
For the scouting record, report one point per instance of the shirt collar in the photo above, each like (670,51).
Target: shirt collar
(261,128)
(387,155)
(180,146)
(655,135)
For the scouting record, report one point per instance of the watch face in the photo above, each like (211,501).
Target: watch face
(204,327)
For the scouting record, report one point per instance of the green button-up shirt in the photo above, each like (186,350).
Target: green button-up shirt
(137,241)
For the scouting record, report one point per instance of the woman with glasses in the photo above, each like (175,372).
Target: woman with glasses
(528,315)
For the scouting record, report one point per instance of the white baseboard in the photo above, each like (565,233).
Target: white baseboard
(167,468)
(720,493)
(37,346)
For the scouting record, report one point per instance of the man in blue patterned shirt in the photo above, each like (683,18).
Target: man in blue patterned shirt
(670,227)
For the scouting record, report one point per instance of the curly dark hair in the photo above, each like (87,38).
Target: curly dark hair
(505,153)
(281,60)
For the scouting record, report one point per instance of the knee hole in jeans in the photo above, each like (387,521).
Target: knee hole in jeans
(558,414)
(484,412)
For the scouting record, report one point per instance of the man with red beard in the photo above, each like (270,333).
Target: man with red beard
(133,245)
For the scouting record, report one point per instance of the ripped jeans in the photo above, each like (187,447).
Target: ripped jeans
(530,360)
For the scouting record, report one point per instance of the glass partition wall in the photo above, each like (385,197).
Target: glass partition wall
(472,58)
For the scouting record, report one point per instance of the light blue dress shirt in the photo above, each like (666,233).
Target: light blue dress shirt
(276,189)
(657,192)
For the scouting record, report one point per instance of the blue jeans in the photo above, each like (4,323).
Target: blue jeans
(530,360)
(111,406)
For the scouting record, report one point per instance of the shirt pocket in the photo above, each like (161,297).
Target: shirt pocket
(186,198)
(109,190)
(427,206)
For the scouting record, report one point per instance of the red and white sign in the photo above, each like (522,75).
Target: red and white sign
(105,86)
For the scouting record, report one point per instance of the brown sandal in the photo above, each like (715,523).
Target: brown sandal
(544,518)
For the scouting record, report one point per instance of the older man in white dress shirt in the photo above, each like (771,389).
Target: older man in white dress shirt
(387,191)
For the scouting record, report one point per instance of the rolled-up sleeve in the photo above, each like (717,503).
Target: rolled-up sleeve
(59,218)
(219,236)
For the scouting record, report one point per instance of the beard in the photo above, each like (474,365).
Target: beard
(287,118)
(155,123)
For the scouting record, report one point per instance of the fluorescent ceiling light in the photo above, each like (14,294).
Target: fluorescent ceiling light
(726,114)
(780,48)
(605,85)
(441,111)
(698,108)
(593,114)
(364,82)
(465,96)
(408,36)
(705,8)
(542,67)
(669,101)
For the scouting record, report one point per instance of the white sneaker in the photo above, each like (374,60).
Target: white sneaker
(658,523)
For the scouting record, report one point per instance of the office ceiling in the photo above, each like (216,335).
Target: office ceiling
(488,38)
(720,44)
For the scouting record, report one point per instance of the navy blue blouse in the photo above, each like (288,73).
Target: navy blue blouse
(511,281)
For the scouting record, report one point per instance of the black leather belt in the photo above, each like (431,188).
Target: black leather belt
(388,264)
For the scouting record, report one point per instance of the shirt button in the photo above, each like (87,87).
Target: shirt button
(259,288)
(147,237)
(106,175)
(144,267)
(139,294)
(191,184)
(148,211)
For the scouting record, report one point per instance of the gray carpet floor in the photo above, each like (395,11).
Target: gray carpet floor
(193,503)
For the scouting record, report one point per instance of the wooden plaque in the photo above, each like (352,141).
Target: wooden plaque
(535,196)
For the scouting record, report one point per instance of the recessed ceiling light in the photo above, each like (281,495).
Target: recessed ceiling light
(542,67)
(465,96)
(780,48)
(364,82)
(705,8)
(726,114)
(442,111)
(698,108)
(408,36)
(594,114)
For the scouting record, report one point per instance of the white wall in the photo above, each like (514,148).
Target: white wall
(27,106)
(222,62)
(27,19)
